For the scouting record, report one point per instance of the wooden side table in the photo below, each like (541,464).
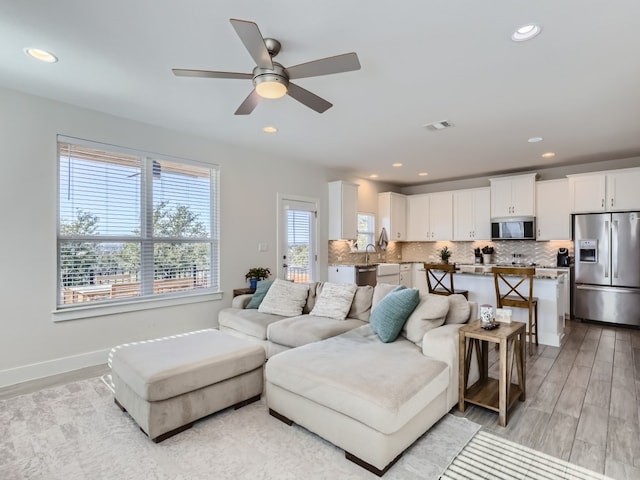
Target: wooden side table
(496,394)
(243,291)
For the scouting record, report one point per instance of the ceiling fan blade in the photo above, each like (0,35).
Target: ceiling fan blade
(325,66)
(253,41)
(309,99)
(181,72)
(249,104)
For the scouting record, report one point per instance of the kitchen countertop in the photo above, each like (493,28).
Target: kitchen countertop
(541,271)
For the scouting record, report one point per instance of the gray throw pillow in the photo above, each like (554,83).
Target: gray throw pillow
(389,316)
(261,290)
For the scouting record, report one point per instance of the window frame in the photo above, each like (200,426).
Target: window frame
(145,239)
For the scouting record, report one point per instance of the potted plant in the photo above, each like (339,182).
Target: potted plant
(445,254)
(255,274)
(487,251)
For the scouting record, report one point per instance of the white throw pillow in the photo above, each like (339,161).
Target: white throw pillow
(429,314)
(334,300)
(459,309)
(285,298)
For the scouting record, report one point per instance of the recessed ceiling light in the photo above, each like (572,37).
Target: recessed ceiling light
(534,139)
(526,32)
(397,164)
(374,175)
(270,129)
(41,55)
(423,174)
(548,155)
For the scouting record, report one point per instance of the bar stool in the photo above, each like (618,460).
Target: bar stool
(512,291)
(440,279)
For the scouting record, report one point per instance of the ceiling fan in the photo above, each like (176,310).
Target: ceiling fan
(271,79)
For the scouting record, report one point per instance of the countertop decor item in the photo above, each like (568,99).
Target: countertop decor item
(445,254)
(255,274)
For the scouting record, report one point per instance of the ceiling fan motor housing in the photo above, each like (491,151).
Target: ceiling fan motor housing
(266,75)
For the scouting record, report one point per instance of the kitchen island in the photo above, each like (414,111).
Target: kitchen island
(548,286)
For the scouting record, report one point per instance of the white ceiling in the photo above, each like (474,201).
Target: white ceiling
(576,84)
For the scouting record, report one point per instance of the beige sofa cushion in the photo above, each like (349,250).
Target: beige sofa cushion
(285,298)
(249,322)
(158,370)
(361,306)
(380,291)
(459,309)
(334,300)
(347,374)
(298,331)
(429,314)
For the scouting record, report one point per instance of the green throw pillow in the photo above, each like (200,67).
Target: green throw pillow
(390,315)
(262,288)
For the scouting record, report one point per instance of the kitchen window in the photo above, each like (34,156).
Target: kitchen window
(133,226)
(366,231)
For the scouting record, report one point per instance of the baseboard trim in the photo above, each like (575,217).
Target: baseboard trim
(57,366)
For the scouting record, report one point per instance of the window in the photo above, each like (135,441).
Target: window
(132,224)
(366,231)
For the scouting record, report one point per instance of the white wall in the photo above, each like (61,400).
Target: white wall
(31,344)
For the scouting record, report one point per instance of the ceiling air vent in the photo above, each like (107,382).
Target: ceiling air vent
(435,126)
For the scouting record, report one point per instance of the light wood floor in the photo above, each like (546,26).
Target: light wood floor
(583,400)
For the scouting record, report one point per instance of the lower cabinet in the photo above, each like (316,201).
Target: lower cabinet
(419,277)
(342,274)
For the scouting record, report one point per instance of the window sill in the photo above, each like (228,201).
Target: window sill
(89,311)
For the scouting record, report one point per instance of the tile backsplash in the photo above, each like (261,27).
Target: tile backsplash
(541,253)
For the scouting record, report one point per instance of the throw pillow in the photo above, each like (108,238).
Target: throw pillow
(430,313)
(261,290)
(390,315)
(380,291)
(459,309)
(361,306)
(334,301)
(285,298)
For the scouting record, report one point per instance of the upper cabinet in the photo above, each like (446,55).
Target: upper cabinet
(429,217)
(343,211)
(615,190)
(392,215)
(553,214)
(472,214)
(513,196)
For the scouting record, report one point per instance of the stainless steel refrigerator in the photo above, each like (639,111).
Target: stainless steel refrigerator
(607,267)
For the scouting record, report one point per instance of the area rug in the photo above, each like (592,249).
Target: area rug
(491,457)
(75,431)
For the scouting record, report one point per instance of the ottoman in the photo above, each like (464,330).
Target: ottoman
(167,384)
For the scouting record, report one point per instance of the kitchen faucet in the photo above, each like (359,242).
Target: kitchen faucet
(366,253)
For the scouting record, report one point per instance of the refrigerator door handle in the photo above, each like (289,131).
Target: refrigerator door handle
(608,289)
(608,246)
(614,247)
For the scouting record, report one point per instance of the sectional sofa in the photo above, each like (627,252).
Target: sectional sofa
(344,378)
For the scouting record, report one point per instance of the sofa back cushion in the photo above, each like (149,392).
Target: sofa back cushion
(334,300)
(459,309)
(361,306)
(389,316)
(314,289)
(285,298)
(380,291)
(429,314)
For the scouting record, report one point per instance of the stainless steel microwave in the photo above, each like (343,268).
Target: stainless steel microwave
(521,228)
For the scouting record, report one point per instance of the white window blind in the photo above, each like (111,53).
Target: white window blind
(300,251)
(131,224)
(366,231)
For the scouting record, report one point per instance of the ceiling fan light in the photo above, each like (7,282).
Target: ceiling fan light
(271,88)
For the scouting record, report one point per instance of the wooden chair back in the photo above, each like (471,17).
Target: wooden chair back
(514,286)
(440,278)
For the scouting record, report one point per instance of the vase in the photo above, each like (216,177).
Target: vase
(253,283)
(486,258)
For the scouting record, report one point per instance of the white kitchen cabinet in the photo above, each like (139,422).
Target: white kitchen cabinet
(513,196)
(472,214)
(392,214)
(342,274)
(610,191)
(419,277)
(430,217)
(406,275)
(343,211)
(553,215)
